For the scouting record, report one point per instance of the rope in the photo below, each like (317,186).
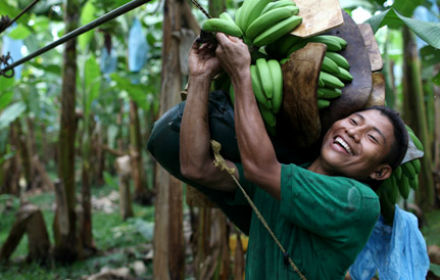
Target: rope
(75,33)
(4,60)
(6,22)
(220,163)
(197,4)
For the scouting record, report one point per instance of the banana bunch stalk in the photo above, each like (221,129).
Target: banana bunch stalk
(403,179)
(267,85)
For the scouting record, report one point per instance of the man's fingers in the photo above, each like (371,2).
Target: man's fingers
(221,37)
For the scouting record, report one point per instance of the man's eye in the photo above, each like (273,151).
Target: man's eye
(373,138)
(353,121)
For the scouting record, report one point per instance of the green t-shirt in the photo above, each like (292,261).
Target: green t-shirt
(322,221)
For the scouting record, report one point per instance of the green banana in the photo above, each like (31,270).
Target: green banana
(252,11)
(414,183)
(327,93)
(332,43)
(341,41)
(277,4)
(297,46)
(330,80)
(265,77)
(339,59)
(321,82)
(415,139)
(285,43)
(404,187)
(256,86)
(387,208)
(330,66)
(232,94)
(344,75)
(416,165)
(277,79)
(222,25)
(323,103)
(241,16)
(226,16)
(268,117)
(398,173)
(408,170)
(267,20)
(277,31)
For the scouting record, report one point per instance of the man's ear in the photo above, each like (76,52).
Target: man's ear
(382,172)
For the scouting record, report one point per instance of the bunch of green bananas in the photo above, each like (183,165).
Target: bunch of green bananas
(334,69)
(334,73)
(258,22)
(267,85)
(403,179)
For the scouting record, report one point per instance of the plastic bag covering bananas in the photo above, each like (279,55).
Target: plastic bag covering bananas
(402,180)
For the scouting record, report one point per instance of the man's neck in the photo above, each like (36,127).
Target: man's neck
(319,167)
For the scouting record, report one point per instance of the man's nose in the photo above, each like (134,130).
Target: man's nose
(354,133)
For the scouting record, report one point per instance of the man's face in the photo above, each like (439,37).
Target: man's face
(355,146)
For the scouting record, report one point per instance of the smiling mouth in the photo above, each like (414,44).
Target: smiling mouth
(341,142)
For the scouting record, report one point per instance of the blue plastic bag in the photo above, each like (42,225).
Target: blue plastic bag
(397,252)
(137,47)
(108,61)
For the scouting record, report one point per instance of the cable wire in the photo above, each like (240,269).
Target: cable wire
(75,33)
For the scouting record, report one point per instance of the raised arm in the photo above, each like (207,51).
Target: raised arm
(256,150)
(195,155)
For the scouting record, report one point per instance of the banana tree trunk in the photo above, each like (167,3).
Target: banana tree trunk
(168,262)
(86,226)
(141,193)
(415,116)
(67,248)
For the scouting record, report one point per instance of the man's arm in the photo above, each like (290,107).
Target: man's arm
(256,150)
(195,157)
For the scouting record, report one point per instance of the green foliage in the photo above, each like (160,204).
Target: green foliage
(92,83)
(427,31)
(88,14)
(138,92)
(399,14)
(119,242)
(20,32)
(435,269)
(11,113)
(352,4)
(436,79)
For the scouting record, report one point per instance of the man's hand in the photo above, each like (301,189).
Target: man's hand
(202,61)
(234,55)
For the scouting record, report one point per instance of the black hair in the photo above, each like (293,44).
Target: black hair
(400,145)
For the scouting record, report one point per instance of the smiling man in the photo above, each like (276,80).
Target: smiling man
(321,212)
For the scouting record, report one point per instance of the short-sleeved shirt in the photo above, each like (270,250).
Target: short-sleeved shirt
(322,221)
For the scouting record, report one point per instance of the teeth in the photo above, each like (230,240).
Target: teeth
(344,144)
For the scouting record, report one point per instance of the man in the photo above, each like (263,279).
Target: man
(321,216)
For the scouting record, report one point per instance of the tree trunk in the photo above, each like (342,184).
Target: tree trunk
(24,154)
(29,220)
(437,143)
(12,167)
(141,194)
(67,246)
(123,168)
(168,262)
(415,116)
